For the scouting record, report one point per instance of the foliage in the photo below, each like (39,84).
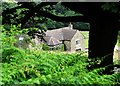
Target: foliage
(118,41)
(57,48)
(113,7)
(38,67)
(35,21)
(10,36)
(23,66)
(60,10)
(45,47)
(8,5)
(63,47)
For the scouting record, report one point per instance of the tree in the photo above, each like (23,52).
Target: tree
(104,25)
(16,13)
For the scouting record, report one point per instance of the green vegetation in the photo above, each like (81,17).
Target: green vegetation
(38,67)
(17,16)
(24,66)
(34,66)
(45,47)
(118,41)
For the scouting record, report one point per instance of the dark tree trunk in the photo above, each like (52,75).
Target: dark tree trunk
(103,31)
(102,40)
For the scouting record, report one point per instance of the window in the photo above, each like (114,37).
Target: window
(77,42)
(78,49)
(51,48)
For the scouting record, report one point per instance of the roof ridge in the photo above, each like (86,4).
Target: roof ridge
(75,33)
(58,29)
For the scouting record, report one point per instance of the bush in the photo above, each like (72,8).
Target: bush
(45,47)
(42,67)
(21,66)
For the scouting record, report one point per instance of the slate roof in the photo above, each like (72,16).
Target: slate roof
(51,40)
(62,33)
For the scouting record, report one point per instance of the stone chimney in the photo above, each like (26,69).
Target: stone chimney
(70,26)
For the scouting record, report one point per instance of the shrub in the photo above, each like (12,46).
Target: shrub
(21,66)
(45,47)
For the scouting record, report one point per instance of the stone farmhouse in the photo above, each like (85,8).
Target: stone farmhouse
(72,39)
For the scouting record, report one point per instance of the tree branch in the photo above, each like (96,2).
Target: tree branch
(32,11)
(62,18)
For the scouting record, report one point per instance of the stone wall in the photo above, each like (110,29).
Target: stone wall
(81,45)
(67,45)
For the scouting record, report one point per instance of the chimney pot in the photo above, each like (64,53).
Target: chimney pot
(70,26)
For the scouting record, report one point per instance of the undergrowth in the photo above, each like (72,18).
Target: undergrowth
(41,67)
(24,66)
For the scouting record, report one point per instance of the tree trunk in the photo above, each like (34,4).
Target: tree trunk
(102,40)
